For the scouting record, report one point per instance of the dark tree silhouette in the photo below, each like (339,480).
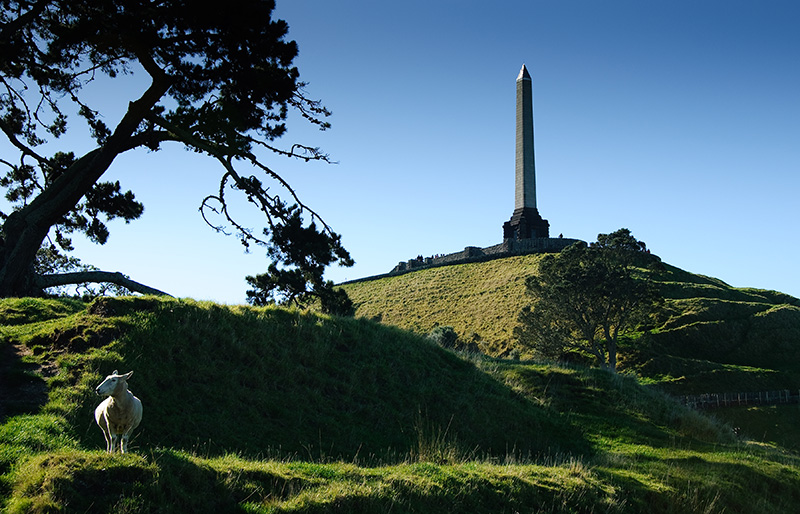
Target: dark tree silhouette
(302,253)
(220,82)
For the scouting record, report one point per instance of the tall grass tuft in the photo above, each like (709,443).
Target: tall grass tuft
(435,444)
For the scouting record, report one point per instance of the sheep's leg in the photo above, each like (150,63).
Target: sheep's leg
(102,422)
(107,437)
(114,442)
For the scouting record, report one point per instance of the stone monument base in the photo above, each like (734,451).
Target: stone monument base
(526,223)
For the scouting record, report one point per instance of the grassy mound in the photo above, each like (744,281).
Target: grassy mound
(216,379)
(715,338)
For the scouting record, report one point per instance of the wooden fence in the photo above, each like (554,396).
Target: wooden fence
(718,400)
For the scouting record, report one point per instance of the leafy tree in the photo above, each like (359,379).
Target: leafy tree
(621,241)
(585,297)
(219,82)
(627,249)
(303,253)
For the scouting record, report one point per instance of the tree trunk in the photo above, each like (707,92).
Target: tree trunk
(612,358)
(24,230)
(611,346)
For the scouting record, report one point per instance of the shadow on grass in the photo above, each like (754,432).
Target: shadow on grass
(252,381)
(22,391)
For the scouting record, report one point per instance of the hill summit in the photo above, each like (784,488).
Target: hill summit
(709,335)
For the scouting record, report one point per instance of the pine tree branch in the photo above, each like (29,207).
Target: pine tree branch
(81,277)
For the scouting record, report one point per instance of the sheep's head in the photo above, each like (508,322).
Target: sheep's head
(113,383)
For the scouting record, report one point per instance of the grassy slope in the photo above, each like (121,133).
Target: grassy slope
(479,300)
(351,416)
(710,338)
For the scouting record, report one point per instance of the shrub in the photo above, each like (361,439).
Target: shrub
(445,336)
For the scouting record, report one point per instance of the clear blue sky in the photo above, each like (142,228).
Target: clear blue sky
(679,120)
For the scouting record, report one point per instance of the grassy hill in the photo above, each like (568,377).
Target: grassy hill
(274,410)
(710,337)
(480,300)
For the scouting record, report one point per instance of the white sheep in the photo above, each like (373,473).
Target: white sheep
(118,414)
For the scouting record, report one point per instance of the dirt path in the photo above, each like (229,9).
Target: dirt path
(22,388)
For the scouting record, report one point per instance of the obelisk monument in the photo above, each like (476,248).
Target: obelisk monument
(525,163)
(525,223)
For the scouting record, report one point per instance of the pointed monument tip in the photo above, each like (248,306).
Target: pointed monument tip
(523,73)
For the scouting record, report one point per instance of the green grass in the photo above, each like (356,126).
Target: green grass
(342,387)
(14,311)
(627,478)
(772,424)
(256,380)
(480,300)
(275,410)
(708,334)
